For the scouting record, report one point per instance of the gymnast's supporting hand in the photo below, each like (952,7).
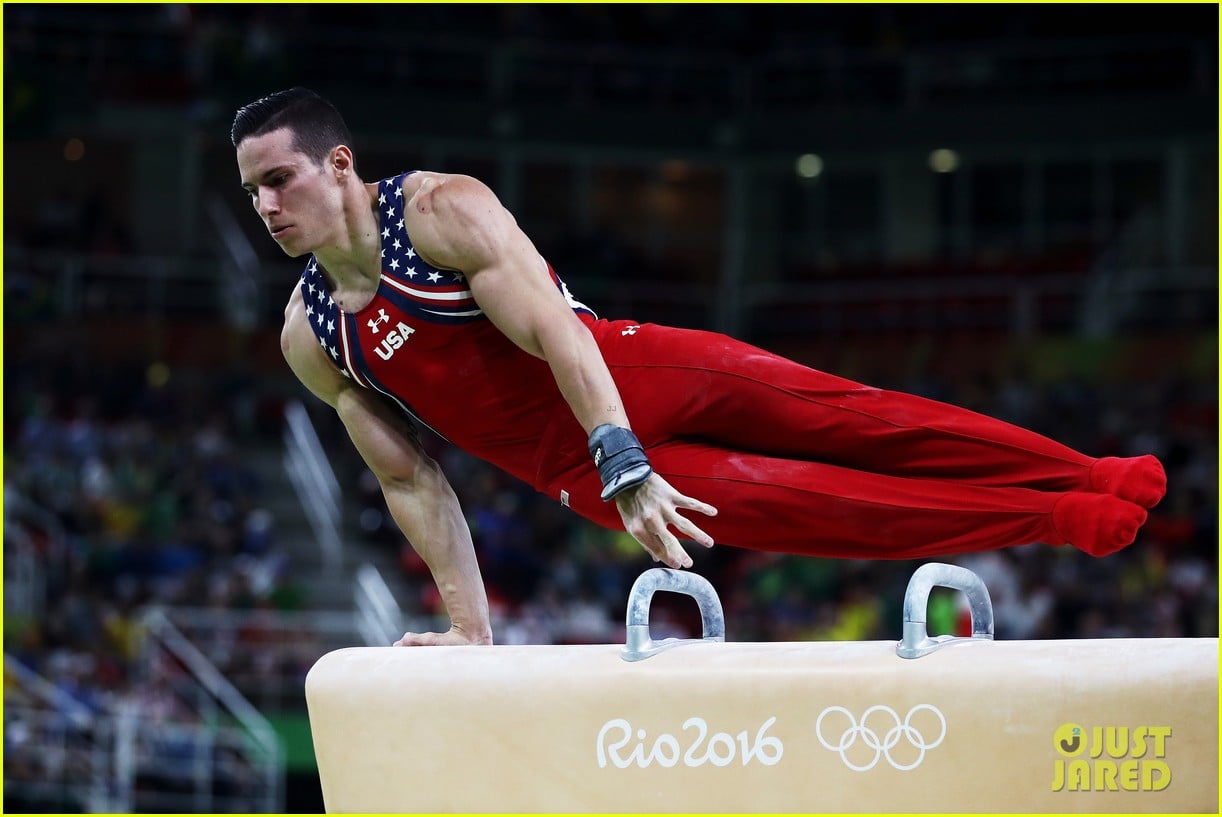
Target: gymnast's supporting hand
(456,636)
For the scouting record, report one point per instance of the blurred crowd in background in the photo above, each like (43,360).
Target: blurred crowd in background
(143,433)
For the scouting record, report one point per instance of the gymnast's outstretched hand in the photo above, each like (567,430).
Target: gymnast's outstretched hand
(651,509)
(454,637)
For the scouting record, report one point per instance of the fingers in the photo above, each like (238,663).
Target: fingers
(665,547)
(422,640)
(456,636)
(681,523)
(417,640)
(688,528)
(673,553)
(687,503)
(671,545)
(652,509)
(659,543)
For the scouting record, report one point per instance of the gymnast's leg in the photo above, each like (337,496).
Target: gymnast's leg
(793,506)
(733,395)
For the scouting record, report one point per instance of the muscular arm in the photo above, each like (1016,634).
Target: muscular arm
(457,223)
(417,493)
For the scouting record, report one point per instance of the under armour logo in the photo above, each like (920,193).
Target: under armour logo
(381,318)
(630,330)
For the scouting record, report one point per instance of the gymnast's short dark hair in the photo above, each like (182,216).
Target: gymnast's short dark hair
(316,125)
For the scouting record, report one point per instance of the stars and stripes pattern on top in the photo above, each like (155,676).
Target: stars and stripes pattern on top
(418,288)
(411,287)
(321,311)
(337,334)
(412,284)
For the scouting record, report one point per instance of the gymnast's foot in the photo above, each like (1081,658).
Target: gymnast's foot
(1098,524)
(1138,479)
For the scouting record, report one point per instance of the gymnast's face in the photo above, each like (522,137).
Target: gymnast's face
(300,202)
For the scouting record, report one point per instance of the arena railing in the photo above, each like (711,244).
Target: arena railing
(58,752)
(265,654)
(223,743)
(24,558)
(25,583)
(312,477)
(239,268)
(378,615)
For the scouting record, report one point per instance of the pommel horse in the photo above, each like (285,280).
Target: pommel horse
(931,724)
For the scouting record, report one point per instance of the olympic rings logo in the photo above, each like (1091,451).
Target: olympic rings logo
(869,733)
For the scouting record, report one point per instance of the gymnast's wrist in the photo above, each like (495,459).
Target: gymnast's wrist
(620,459)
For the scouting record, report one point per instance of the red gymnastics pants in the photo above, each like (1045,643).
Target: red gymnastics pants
(800,461)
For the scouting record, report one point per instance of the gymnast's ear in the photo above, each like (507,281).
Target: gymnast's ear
(341,161)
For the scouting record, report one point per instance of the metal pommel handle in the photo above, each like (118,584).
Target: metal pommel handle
(638,643)
(916,641)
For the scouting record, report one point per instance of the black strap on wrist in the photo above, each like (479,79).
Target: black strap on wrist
(620,459)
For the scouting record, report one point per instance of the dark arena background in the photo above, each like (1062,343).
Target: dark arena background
(1008,207)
